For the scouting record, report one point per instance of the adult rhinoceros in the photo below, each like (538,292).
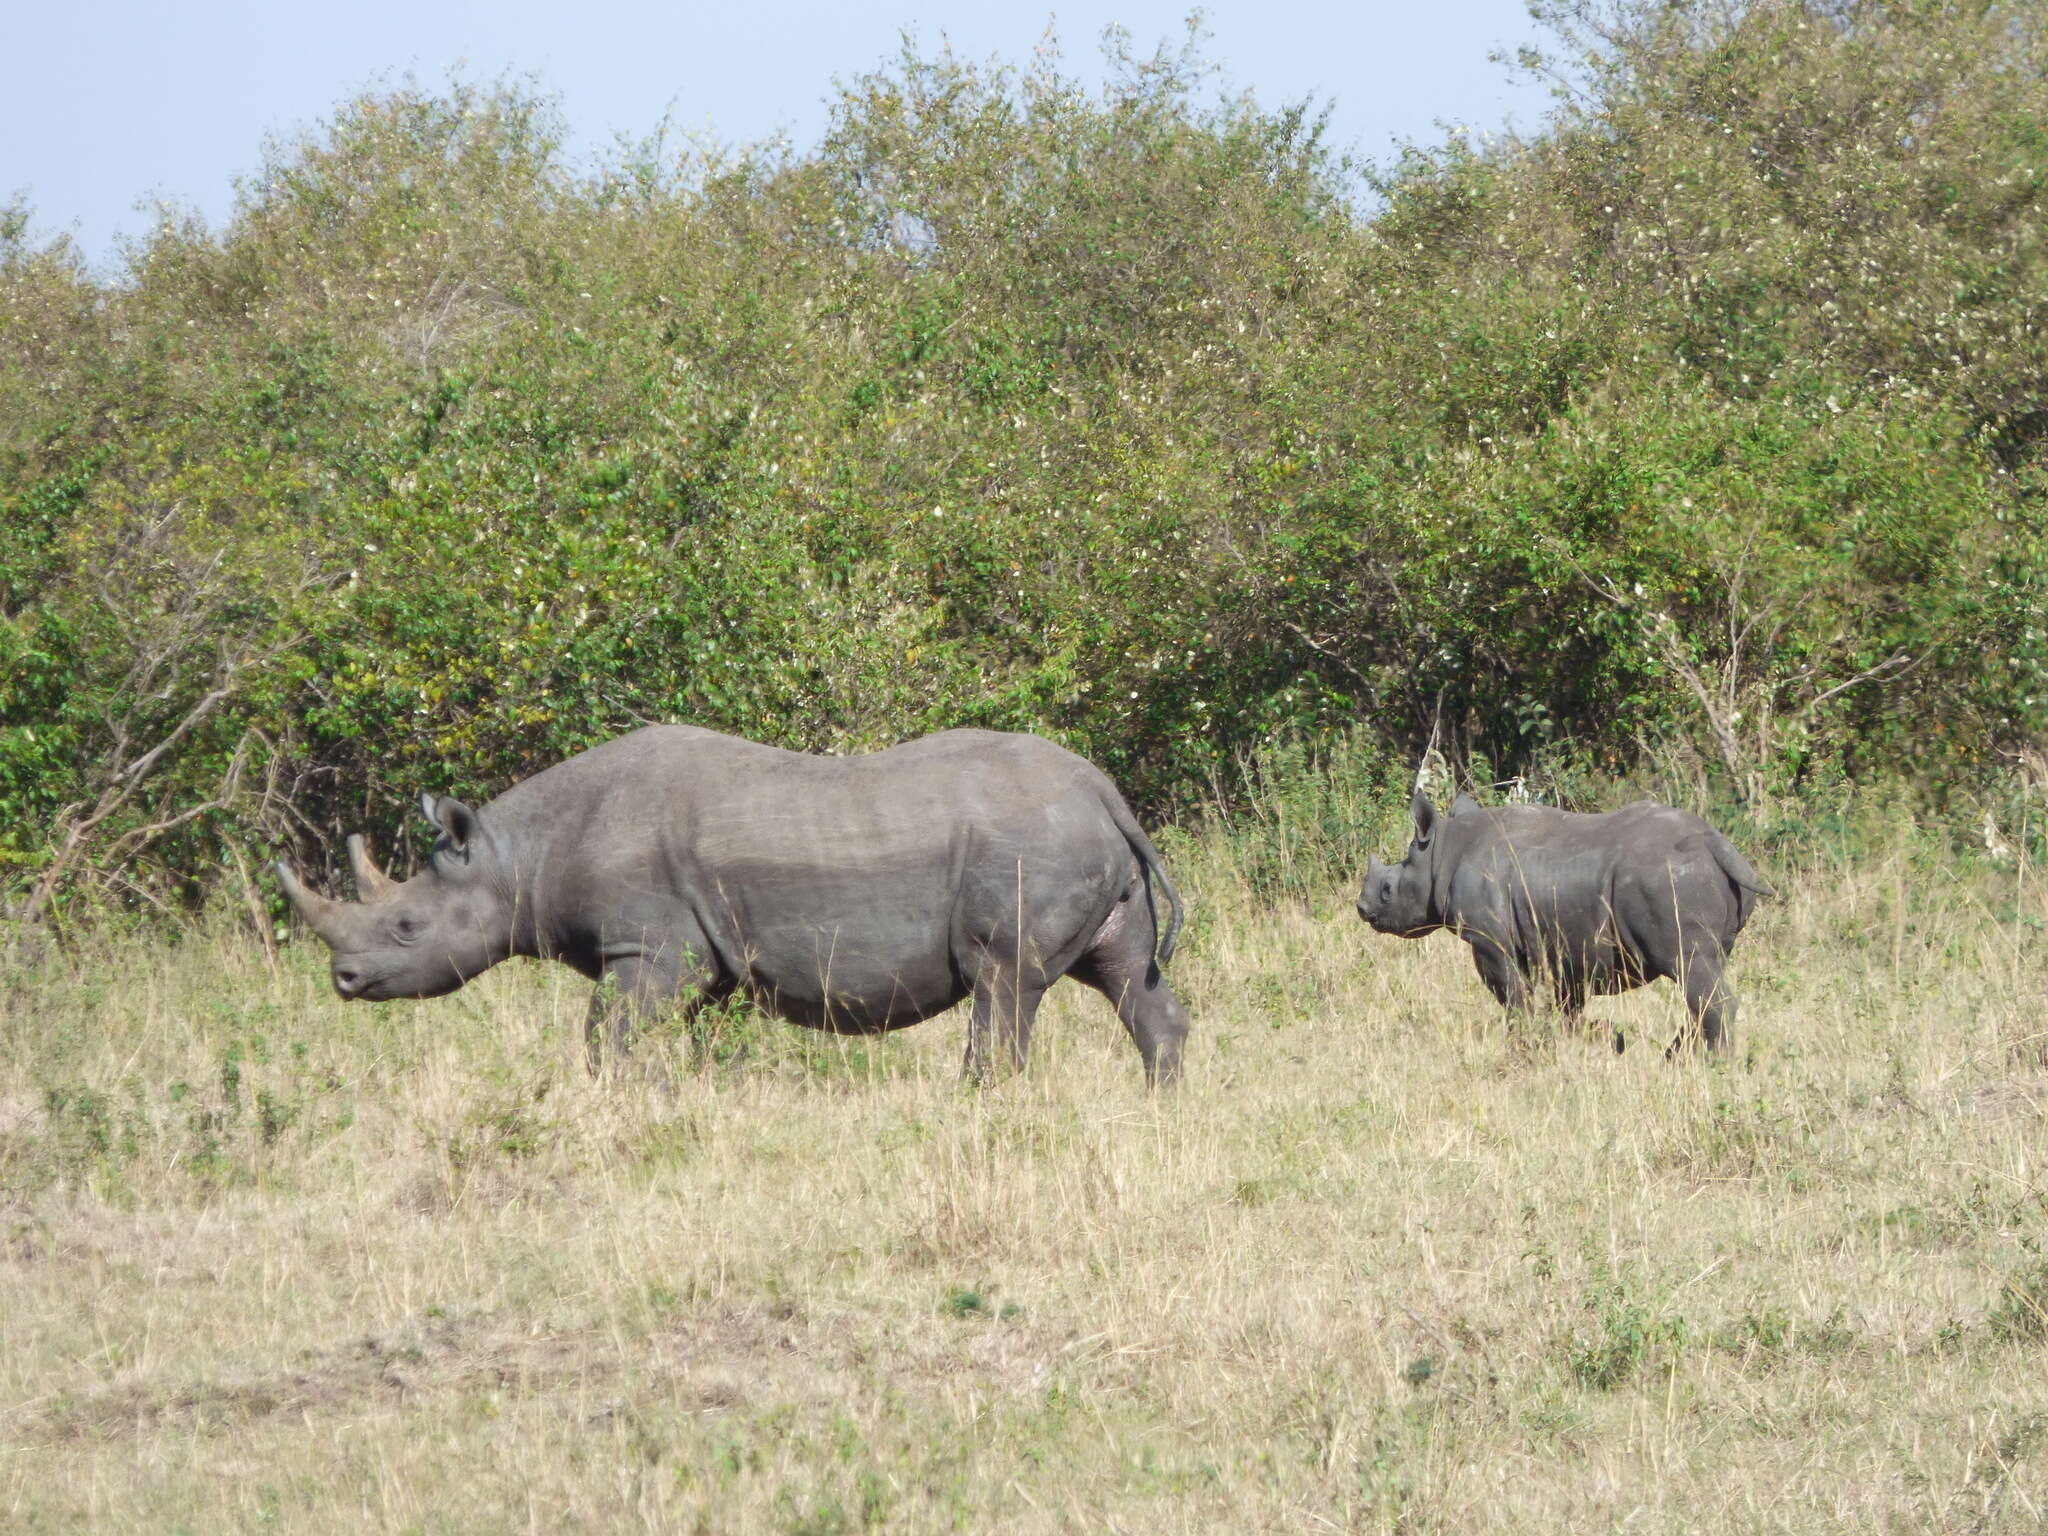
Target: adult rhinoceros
(1587,903)
(852,894)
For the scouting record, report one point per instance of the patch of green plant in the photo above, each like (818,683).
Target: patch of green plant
(1624,1329)
(1770,1334)
(2020,1314)
(219,1132)
(506,1120)
(846,1060)
(964,1303)
(724,1036)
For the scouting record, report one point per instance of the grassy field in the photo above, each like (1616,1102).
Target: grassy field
(267,1259)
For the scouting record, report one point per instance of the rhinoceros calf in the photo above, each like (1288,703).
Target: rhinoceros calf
(1586,903)
(852,894)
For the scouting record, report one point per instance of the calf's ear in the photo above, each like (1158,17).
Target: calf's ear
(455,821)
(1425,817)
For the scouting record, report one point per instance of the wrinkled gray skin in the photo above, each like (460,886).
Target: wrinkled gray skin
(851,894)
(1589,904)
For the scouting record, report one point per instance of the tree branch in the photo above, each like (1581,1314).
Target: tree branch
(1898,665)
(1323,650)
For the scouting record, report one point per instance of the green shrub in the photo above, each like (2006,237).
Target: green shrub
(1698,430)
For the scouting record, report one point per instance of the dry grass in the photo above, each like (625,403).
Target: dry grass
(267,1259)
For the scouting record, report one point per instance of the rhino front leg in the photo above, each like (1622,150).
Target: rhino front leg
(1503,978)
(632,990)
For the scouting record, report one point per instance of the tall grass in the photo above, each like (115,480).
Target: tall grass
(270,1259)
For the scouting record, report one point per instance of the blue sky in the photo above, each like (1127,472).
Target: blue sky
(114,105)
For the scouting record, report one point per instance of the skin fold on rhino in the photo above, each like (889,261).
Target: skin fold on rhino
(850,894)
(1588,904)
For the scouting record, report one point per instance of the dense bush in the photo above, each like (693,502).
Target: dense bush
(1706,423)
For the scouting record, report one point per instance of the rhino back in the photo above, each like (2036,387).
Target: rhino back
(1610,890)
(845,884)
(1532,878)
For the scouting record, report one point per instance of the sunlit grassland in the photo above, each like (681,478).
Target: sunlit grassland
(266,1258)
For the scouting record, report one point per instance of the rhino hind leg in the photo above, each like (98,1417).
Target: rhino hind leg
(999,1029)
(1151,1015)
(1708,1000)
(1120,966)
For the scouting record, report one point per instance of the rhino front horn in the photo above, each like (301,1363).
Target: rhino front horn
(371,882)
(321,915)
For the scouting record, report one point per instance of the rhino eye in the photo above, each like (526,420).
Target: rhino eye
(407,928)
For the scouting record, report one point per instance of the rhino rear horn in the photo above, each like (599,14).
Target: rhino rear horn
(371,882)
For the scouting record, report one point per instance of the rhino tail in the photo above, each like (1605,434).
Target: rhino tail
(1748,885)
(1153,868)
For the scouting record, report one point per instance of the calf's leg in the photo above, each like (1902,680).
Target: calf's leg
(1503,978)
(1571,997)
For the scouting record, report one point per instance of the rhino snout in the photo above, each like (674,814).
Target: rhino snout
(349,979)
(1374,891)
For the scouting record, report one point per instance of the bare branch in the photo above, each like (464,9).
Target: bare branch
(136,839)
(193,718)
(252,902)
(1897,665)
(1323,650)
(75,827)
(1719,712)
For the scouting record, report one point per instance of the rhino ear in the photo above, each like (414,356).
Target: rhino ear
(1464,803)
(455,821)
(1425,818)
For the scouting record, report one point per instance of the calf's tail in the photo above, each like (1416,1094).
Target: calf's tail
(1748,887)
(1152,867)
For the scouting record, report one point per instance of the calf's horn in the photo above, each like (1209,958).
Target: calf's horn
(371,882)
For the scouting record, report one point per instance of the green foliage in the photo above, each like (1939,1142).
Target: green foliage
(2021,1311)
(1771,1336)
(261,1100)
(1700,429)
(1624,1332)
